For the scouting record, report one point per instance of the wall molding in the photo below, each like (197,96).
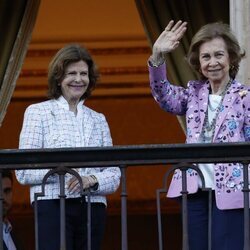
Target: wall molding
(94,51)
(125,74)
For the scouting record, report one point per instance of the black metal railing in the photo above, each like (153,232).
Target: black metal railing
(136,155)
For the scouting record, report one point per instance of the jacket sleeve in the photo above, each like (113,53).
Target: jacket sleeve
(171,98)
(246,106)
(31,137)
(108,177)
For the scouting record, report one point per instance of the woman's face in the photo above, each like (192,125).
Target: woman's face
(214,61)
(75,81)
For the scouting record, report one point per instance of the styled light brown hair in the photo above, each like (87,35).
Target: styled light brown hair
(70,54)
(209,32)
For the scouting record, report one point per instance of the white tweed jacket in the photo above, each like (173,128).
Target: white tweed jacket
(50,124)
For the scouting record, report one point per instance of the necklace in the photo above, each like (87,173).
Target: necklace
(207,126)
(213,107)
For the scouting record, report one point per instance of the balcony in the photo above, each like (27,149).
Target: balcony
(176,155)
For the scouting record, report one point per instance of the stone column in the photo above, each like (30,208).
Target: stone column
(240,24)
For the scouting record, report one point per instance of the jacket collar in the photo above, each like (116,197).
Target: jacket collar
(64,103)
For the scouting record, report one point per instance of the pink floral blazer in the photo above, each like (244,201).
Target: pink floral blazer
(232,125)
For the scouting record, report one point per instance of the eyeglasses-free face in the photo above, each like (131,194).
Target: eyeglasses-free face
(75,81)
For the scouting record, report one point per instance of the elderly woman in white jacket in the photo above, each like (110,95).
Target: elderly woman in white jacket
(64,121)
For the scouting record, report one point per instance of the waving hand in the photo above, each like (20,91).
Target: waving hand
(167,41)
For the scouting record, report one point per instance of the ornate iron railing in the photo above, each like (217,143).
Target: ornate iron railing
(136,155)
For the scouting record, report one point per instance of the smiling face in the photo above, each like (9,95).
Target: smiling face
(75,81)
(214,61)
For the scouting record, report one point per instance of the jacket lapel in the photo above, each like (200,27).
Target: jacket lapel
(203,103)
(88,124)
(227,104)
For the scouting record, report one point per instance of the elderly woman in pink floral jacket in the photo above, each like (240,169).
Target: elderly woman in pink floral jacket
(217,109)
